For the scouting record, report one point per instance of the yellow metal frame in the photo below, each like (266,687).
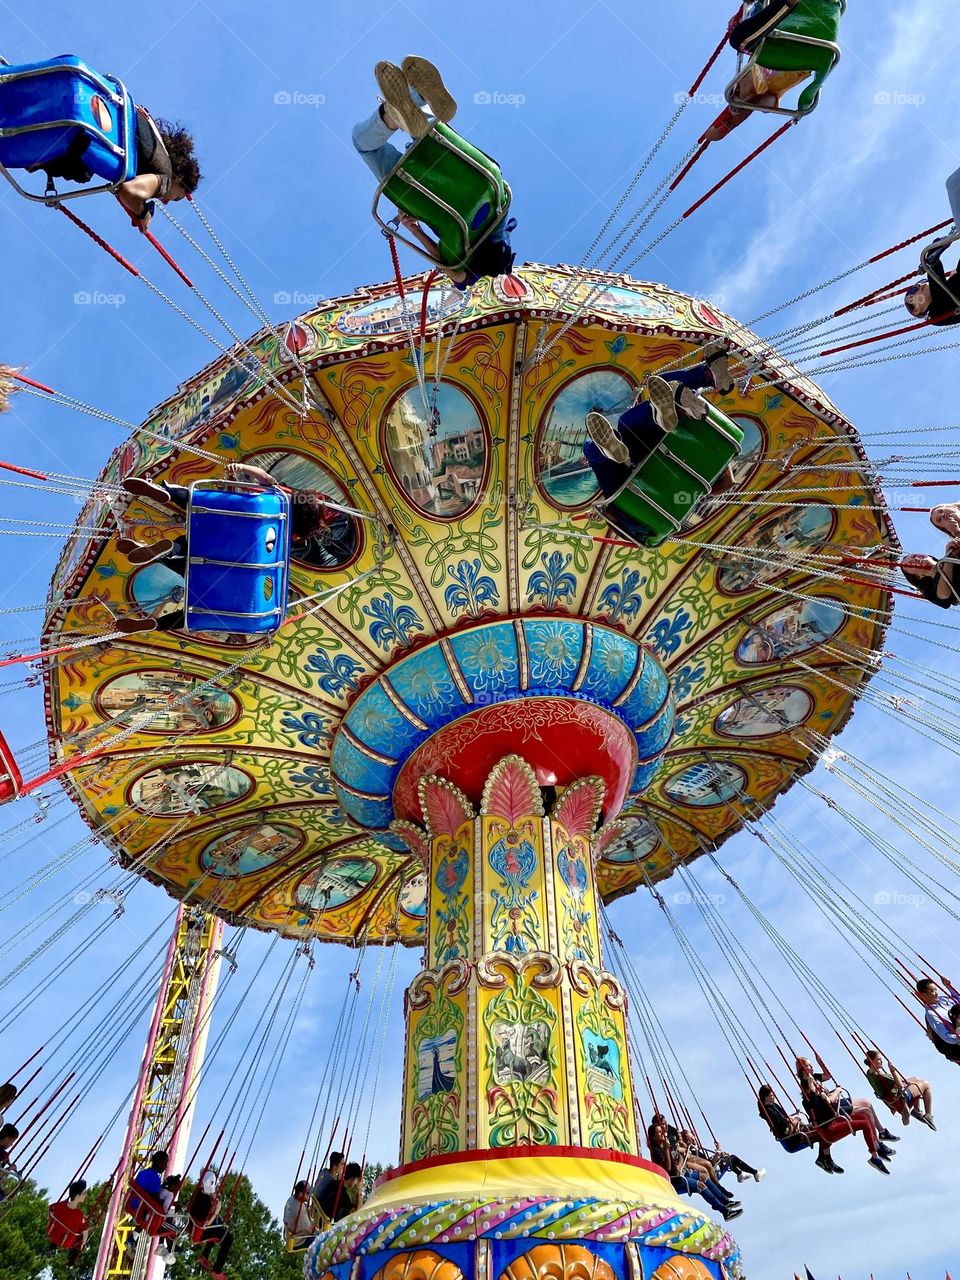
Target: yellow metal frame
(164,1104)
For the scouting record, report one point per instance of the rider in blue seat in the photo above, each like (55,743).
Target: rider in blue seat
(62,118)
(311,518)
(167,169)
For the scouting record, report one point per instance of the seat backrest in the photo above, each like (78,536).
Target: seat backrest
(806,40)
(238,561)
(451,187)
(58,1233)
(46,106)
(147,1213)
(667,485)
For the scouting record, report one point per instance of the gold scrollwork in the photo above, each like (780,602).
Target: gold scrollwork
(496,968)
(584,978)
(453,978)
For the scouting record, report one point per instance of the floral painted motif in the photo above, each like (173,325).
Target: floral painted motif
(623,600)
(552,656)
(470,589)
(552,584)
(311,728)
(575,917)
(316,777)
(686,678)
(490,667)
(668,633)
(392,624)
(514,922)
(334,676)
(451,934)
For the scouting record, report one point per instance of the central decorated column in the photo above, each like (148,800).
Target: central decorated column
(516,1034)
(500,756)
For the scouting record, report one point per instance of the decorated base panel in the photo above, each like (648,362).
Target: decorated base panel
(540,1216)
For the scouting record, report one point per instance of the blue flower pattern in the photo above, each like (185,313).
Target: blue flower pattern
(552,657)
(624,600)
(315,777)
(686,678)
(489,666)
(335,676)
(668,633)
(552,584)
(470,589)
(311,728)
(392,624)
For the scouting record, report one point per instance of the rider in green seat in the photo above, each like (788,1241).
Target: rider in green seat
(406,91)
(618,454)
(787,42)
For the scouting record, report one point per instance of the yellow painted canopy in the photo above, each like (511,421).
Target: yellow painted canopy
(213,772)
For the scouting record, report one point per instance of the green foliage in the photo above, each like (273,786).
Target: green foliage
(25,1251)
(371,1173)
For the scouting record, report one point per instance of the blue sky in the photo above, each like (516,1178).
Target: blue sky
(580,93)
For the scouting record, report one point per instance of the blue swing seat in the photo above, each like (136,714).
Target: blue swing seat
(47,111)
(236,581)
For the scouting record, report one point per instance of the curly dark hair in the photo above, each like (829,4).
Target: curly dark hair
(309,514)
(179,144)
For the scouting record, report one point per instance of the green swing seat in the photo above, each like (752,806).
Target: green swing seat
(451,187)
(665,488)
(805,40)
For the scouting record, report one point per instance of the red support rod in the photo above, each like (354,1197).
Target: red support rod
(715,55)
(740,167)
(921,235)
(874,296)
(40,386)
(46,1105)
(424,301)
(700,151)
(156,244)
(127,266)
(74,763)
(14,659)
(879,586)
(23,471)
(879,337)
(26,1064)
(167,257)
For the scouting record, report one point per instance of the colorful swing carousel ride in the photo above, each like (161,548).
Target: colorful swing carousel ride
(483,718)
(481,697)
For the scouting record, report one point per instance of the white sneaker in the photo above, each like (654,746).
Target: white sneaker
(604,436)
(760,1175)
(693,405)
(742,1177)
(660,395)
(396,94)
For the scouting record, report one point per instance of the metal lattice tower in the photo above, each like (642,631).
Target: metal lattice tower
(165,1096)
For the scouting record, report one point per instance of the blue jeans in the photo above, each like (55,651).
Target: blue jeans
(687,1185)
(371,137)
(638,430)
(953,194)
